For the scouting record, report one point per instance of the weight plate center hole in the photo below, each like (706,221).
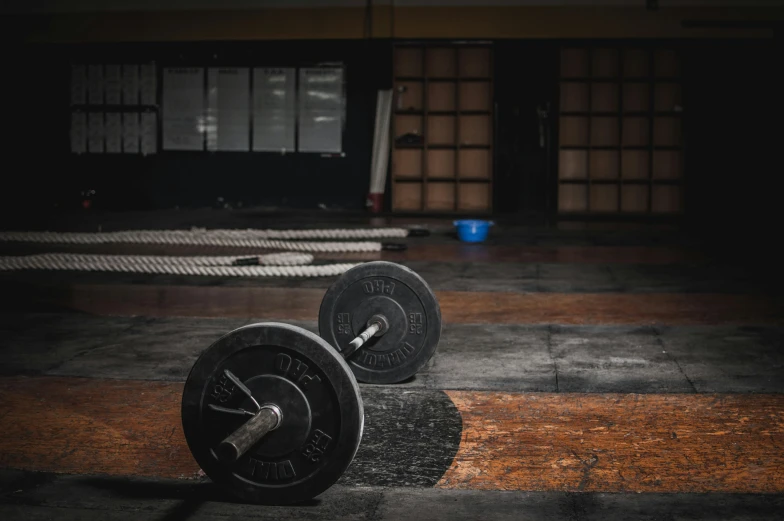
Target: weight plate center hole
(395,317)
(292,432)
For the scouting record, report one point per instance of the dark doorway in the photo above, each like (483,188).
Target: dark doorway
(525,94)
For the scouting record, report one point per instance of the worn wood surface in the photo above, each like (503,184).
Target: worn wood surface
(90,426)
(417,251)
(539,441)
(457,252)
(619,442)
(467,307)
(609,308)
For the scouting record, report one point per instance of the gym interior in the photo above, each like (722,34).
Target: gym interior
(392,259)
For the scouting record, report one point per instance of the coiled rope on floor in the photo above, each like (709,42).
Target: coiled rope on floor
(218,237)
(269,259)
(288,265)
(203,240)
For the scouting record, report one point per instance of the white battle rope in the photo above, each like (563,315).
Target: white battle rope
(290,265)
(192,240)
(270,259)
(242,238)
(284,264)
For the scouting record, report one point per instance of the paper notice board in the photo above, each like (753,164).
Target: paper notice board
(112,84)
(130,84)
(95,84)
(113,132)
(130,133)
(228,109)
(321,104)
(183,108)
(274,109)
(148,83)
(148,130)
(78,85)
(95,133)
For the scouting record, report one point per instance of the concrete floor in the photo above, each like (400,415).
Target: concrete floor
(399,471)
(513,358)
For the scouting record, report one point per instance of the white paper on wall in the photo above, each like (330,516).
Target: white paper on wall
(148,84)
(78,132)
(228,105)
(321,109)
(274,109)
(78,84)
(149,133)
(130,84)
(95,133)
(183,108)
(130,133)
(112,84)
(113,132)
(95,84)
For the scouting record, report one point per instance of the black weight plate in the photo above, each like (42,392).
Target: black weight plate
(316,391)
(408,303)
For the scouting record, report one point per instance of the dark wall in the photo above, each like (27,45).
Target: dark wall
(37,123)
(732,124)
(733,95)
(526,79)
(732,127)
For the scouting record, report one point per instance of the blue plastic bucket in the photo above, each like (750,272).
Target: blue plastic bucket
(470,230)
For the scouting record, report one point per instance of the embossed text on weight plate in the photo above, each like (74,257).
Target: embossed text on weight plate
(270,470)
(396,357)
(223,390)
(344,324)
(317,446)
(295,370)
(378,286)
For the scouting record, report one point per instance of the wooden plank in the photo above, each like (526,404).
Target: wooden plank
(407,196)
(572,164)
(604,97)
(473,196)
(573,131)
(461,307)
(440,196)
(604,198)
(573,198)
(449,252)
(474,62)
(441,96)
(574,96)
(545,254)
(90,426)
(538,441)
(609,308)
(408,61)
(441,164)
(619,443)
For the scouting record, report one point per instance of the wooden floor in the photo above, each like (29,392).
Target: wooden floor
(438,252)
(562,386)
(459,307)
(619,442)
(539,442)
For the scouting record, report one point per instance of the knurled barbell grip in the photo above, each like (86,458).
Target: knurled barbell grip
(377,325)
(237,443)
(363,336)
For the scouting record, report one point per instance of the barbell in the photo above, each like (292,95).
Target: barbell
(273,412)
